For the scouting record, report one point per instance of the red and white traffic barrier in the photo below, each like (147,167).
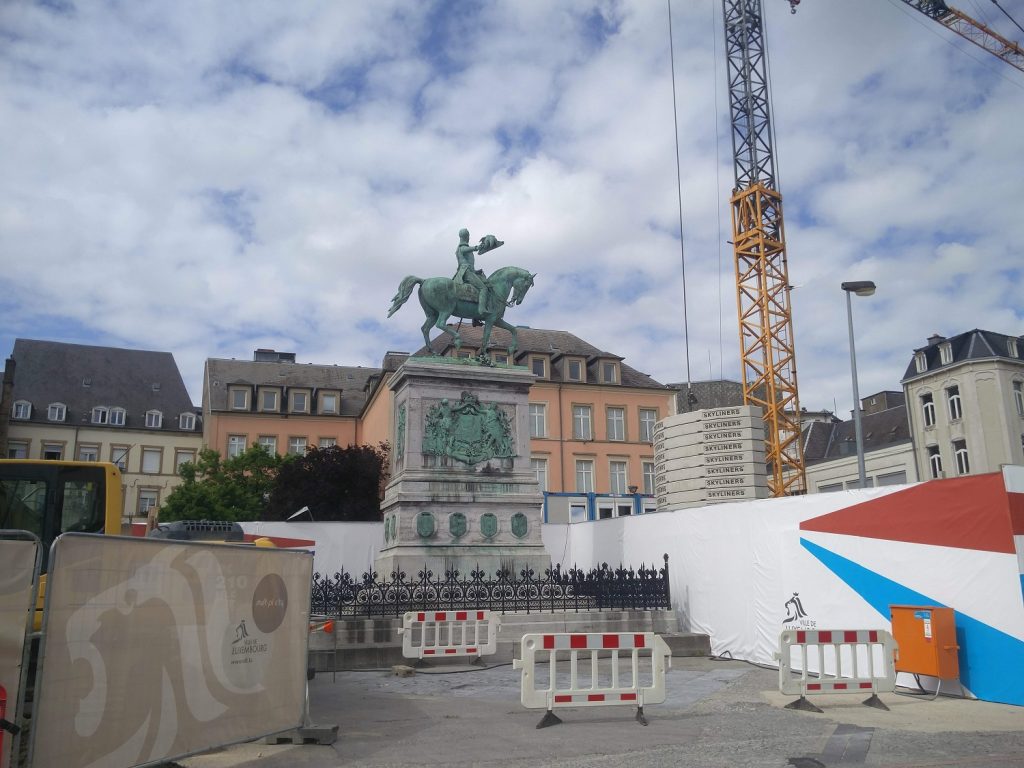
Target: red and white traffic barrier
(449,634)
(860,660)
(623,668)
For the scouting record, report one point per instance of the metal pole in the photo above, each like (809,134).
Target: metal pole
(858,431)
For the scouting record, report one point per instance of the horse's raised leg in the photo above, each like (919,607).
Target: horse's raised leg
(485,340)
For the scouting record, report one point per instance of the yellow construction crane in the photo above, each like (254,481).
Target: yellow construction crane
(767,352)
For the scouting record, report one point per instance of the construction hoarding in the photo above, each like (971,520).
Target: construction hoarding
(19,571)
(154,650)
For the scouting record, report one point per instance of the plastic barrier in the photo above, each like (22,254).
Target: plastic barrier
(604,682)
(448,634)
(864,661)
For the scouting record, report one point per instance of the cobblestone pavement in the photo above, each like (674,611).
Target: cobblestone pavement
(718,714)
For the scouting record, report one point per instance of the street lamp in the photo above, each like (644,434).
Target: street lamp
(861,288)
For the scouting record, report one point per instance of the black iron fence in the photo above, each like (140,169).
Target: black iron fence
(572,589)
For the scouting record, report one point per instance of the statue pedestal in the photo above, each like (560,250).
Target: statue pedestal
(462,495)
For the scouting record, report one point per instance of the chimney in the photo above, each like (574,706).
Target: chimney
(935,338)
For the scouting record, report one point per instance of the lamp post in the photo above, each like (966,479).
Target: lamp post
(861,288)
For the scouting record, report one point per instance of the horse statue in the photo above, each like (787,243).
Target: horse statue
(442,298)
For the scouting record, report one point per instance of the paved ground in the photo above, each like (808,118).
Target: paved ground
(718,714)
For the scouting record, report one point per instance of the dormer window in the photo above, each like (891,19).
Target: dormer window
(154,419)
(57,412)
(22,410)
(269,400)
(329,403)
(238,398)
(539,366)
(920,361)
(609,372)
(187,421)
(575,369)
(299,401)
(1011,348)
(945,353)
(117,417)
(100,414)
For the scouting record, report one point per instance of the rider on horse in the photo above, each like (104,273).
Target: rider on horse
(467,272)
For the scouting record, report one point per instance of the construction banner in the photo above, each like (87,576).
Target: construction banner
(154,650)
(19,570)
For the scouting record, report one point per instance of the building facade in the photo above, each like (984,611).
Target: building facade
(965,402)
(282,405)
(591,420)
(88,403)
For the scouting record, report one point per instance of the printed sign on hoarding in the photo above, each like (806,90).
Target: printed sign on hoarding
(157,649)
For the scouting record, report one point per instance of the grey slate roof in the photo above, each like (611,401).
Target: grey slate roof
(350,380)
(538,340)
(823,441)
(49,372)
(970,345)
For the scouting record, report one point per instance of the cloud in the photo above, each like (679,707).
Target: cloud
(210,178)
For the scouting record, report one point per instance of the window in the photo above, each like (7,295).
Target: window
(501,358)
(297,445)
(117,416)
(830,488)
(463,354)
(963,465)
(584,475)
(238,397)
(616,423)
(617,476)
(538,420)
(22,409)
(328,442)
(119,456)
(300,402)
(1011,348)
(539,367)
(648,467)
(935,461)
(920,362)
(1018,397)
(187,421)
(154,419)
(17,450)
(56,412)
(268,399)
(574,370)
(268,443)
(945,353)
(100,415)
(540,471)
(183,456)
(953,398)
(53,451)
(152,458)
(148,499)
(88,453)
(928,409)
(609,373)
(648,418)
(236,445)
(329,402)
(892,478)
(581,429)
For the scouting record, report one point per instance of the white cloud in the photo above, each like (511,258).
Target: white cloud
(208,178)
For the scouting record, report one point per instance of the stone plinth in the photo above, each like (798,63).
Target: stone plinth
(482,510)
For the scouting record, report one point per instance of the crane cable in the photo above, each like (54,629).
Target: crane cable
(1006,13)
(679,188)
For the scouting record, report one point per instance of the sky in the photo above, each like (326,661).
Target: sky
(209,178)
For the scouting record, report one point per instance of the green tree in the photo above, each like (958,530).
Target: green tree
(233,489)
(338,484)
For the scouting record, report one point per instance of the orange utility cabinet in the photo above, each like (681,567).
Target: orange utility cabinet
(926,638)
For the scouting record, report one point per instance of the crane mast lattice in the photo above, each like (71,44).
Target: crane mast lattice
(768,357)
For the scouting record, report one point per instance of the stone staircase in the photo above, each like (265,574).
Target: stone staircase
(376,644)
